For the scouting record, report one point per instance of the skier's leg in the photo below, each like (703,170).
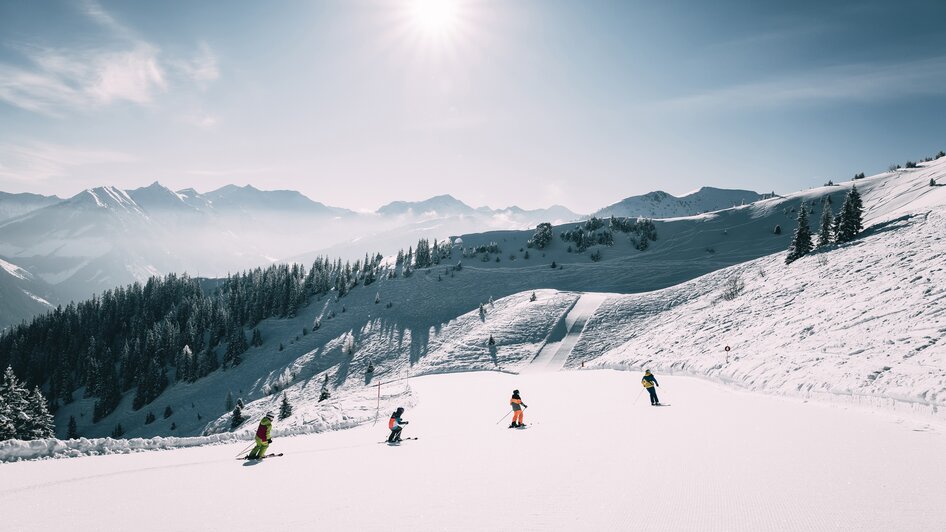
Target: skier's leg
(397,433)
(255,453)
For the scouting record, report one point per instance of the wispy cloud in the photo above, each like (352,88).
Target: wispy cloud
(58,81)
(41,161)
(861,82)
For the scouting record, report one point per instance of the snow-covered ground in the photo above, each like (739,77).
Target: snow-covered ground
(596,456)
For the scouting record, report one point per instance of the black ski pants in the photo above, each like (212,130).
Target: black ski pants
(395,434)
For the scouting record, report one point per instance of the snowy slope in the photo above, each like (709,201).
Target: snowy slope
(864,321)
(433,321)
(20,294)
(593,458)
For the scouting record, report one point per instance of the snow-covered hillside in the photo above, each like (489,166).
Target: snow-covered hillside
(782,340)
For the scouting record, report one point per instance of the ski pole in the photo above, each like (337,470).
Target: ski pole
(245,450)
(638,397)
(504,417)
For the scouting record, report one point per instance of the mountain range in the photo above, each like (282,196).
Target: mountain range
(104,237)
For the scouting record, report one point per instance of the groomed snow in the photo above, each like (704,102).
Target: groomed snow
(596,457)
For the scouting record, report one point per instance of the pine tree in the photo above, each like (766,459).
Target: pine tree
(71,431)
(149,419)
(285,409)
(40,424)
(168,412)
(324,394)
(533,297)
(850,221)
(14,404)
(118,432)
(826,230)
(236,418)
(801,242)
(932,182)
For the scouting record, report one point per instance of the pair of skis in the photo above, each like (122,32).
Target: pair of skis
(270,455)
(398,441)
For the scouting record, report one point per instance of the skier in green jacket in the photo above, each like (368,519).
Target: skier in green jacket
(263,438)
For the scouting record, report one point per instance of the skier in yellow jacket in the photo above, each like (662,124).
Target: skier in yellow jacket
(263,438)
(650,384)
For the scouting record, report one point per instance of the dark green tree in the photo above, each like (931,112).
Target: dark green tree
(801,241)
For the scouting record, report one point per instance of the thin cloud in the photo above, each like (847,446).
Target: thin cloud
(42,161)
(863,82)
(58,81)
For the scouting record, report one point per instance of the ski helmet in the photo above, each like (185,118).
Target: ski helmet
(270,415)
(515,392)
(400,410)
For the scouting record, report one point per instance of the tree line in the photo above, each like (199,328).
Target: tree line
(145,336)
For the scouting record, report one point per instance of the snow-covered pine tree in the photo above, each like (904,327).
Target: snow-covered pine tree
(14,402)
(324,394)
(236,417)
(826,229)
(801,241)
(40,424)
(285,409)
(850,220)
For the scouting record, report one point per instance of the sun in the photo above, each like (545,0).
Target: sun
(435,17)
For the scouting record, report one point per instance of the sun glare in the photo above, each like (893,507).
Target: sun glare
(434,17)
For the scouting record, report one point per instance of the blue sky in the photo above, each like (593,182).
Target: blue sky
(357,103)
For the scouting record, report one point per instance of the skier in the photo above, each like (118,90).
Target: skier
(650,384)
(396,424)
(263,437)
(517,410)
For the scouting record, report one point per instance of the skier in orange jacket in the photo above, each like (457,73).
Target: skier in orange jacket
(517,410)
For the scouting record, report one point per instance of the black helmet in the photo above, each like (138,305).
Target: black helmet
(515,392)
(400,410)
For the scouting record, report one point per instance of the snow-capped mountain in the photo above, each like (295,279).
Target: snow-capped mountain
(660,204)
(13,205)
(105,237)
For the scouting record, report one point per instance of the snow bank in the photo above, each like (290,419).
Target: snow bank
(16,450)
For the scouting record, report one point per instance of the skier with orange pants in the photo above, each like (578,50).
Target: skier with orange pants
(517,410)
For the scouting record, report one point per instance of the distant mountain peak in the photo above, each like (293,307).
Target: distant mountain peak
(442,205)
(660,204)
